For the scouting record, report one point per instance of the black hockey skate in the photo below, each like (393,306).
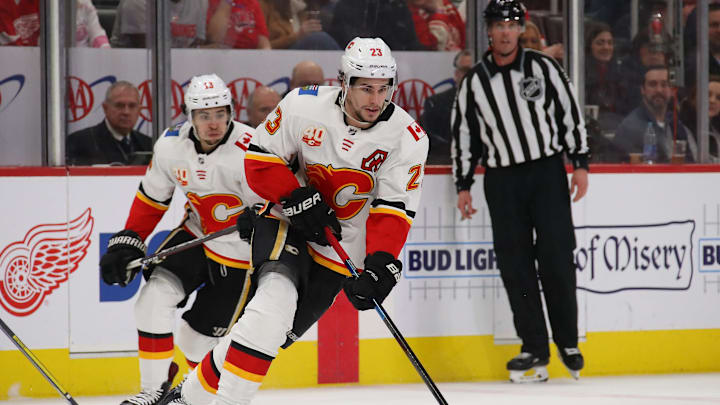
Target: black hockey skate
(520,365)
(153,397)
(174,397)
(573,360)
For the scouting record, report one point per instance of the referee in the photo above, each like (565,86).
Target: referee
(516,112)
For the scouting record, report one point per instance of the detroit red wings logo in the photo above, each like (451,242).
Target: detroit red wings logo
(37,265)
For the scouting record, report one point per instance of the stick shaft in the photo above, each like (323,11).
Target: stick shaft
(388,322)
(36,362)
(179,248)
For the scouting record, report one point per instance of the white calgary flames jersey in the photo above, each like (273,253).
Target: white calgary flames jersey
(213,183)
(359,171)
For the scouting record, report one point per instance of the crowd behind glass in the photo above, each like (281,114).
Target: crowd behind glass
(635,111)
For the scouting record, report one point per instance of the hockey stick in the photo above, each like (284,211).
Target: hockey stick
(157,257)
(36,362)
(388,322)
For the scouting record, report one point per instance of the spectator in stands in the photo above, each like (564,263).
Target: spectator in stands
(438,25)
(326,9)
(187,24)
(602,74)
(306,73)
(19,22)
(688,115)
(713,44)
(388,19)
(435,118)
(292,26)
(112,141)
(643,55)
(88,32)
(656,94)
(261,102)
(533,39)
(237,24)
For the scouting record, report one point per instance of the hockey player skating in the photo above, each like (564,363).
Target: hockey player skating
(516,110)
(203,157)
(361,159)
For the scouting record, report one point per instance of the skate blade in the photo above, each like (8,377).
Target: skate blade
(534,375)
(574,373)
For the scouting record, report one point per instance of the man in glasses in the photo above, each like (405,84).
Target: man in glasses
(114,140)
(358,168)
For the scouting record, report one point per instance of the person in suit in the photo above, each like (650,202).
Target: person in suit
(113,140)
(435,118)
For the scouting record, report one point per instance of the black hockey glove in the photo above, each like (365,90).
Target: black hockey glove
(123,247)
(310,214)
(382,272)
(245,223)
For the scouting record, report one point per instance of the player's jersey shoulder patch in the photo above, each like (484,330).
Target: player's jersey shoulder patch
(311,90)
(174,130)
(416,131)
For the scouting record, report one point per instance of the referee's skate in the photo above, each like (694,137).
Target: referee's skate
(527,368)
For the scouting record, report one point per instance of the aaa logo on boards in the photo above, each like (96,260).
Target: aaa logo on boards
(241,88)
(80,99)
(411,95)
(37,265)
(6,86)
(146,101)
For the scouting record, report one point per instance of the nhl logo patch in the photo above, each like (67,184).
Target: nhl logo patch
(531,88)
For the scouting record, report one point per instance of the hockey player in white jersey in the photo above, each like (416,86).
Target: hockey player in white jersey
(359,161)
(203,157)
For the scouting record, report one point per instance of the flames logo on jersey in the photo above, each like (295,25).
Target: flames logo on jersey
(313,136)
(37,265)
(345,190)
(216,211)
(372,163)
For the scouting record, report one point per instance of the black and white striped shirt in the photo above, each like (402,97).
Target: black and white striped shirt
(513,114)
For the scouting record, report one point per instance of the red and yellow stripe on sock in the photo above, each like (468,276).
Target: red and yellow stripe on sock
(247,363)
(155,346)
(208,374)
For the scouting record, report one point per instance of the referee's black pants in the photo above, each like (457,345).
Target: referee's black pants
(531,197)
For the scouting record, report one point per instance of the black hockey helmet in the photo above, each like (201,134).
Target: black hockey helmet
(504,10)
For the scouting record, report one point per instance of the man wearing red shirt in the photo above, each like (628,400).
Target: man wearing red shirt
(19,23)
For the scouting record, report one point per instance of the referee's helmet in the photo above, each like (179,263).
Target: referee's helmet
(505,10)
